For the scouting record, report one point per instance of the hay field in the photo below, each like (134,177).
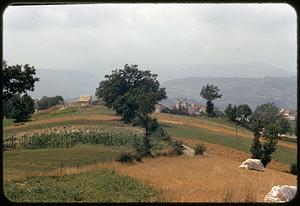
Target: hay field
(206,179)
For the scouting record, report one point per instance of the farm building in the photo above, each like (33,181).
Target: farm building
(85,100)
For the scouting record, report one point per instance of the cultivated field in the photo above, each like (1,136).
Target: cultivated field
(74,145)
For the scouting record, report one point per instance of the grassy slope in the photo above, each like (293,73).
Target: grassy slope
(57,112)
(282,154)
(99,186)
(24,163)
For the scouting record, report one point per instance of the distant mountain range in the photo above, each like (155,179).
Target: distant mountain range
(249,84)
(252,91)
(253,70)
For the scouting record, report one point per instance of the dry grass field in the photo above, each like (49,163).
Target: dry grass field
(198,178)
(206,179)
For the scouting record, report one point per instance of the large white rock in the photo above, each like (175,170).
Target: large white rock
(282,193)
(253,164)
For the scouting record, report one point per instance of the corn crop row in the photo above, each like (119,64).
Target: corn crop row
(65,138)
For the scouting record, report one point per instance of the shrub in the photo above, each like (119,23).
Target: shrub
(200,149)
(294,169)
(125,158)
(177,147)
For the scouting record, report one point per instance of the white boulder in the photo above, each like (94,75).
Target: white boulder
(253,164)
(282,193)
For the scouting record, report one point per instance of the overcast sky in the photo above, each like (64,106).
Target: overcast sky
(101,37)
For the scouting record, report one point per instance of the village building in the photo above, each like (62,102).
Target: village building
(196,109)
(289,114)
(85,100)
(192,109)
(181,104)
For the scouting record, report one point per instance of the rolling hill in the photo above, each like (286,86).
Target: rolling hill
(252,91)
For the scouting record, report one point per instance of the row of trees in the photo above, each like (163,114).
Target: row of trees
(47,102)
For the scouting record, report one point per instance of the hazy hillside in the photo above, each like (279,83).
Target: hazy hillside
(253,91)
(253,70)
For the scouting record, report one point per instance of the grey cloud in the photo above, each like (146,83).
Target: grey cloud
(88,37)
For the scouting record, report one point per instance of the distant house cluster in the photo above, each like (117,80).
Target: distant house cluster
(289,114)
(192,109)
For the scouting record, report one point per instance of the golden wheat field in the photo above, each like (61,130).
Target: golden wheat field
(206,179)
(199,178)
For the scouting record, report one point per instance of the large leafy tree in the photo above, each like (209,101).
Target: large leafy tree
(210,93)
(266,123)
(17,79)
(132,93)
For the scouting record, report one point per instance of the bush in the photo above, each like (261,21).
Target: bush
(200,149)
(294,169)
(177,146)
(125,158)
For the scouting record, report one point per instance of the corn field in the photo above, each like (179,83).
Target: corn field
(64,137)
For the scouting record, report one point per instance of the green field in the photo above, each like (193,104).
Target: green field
(23,163)
(99,186)
(284,155)
(27,171)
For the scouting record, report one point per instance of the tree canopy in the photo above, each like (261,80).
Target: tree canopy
(17,79)
(131,92)
(268,123)
(210,93)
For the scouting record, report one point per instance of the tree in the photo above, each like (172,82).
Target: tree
(132,93)
(266,122)
(17,79)
(22,107)
(46,102)
(210,93)
(243,113)
(231,112)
